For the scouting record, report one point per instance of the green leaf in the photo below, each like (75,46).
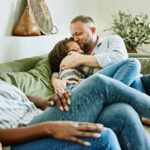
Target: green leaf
(135,30)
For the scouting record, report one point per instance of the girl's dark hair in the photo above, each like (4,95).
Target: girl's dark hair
(58,53)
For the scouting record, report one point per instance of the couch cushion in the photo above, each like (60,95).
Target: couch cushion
(145,61)
(21,65)
(35,81)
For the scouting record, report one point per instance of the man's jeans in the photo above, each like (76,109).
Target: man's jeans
(89,99)
(107,141)
(126,71)
(146,83)
(126,124)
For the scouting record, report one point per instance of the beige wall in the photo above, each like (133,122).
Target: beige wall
(62,11)
(10,11)
(106,9)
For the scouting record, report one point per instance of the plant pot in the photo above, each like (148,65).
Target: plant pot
(132,51)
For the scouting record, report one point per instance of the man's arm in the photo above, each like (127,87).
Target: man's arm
(113,52)
(63,130)
(88,60)
(74,60)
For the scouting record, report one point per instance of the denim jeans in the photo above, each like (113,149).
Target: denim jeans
(125,71)
(107,141)
(91,96)
(126,124)
(146,83)
(138,85)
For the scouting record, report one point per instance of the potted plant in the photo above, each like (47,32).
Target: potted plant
(135,30)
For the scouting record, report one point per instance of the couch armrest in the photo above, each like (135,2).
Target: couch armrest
(145,61)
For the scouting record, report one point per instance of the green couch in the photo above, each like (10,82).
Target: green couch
(32,75)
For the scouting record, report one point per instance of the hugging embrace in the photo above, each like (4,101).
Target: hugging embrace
(94,81)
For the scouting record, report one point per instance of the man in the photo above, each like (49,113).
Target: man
(101,52)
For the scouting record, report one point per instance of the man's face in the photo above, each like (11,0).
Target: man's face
(82,34)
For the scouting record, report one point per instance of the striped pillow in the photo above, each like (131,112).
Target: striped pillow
(14,106)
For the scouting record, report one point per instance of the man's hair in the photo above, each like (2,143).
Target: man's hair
(58,53)
(83,19)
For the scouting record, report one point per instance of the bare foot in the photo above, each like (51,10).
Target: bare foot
(145,121)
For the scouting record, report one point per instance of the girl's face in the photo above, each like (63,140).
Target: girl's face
(73,46)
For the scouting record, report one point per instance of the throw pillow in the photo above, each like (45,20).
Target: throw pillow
(34,82)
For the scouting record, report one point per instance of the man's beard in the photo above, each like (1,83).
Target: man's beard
(87,46)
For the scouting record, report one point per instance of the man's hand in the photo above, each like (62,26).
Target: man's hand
(62,100)
(70,131)
(71,61)
(74,59)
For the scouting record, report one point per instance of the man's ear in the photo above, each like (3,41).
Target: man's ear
(93,29)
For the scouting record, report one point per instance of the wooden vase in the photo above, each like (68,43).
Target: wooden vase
(27,25)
